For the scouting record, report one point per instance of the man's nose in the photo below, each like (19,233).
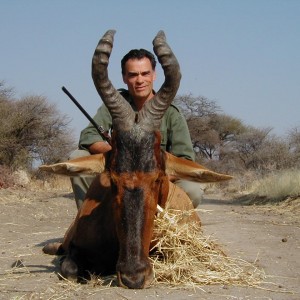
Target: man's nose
(139,78)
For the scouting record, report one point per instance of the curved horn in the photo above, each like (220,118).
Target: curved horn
(153,110)
(120,110)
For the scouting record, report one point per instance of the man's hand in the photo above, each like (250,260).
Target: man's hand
(99,147)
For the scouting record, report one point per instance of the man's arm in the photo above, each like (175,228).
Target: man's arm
(90,139)
(179,137)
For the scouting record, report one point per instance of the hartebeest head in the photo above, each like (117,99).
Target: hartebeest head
(136,163)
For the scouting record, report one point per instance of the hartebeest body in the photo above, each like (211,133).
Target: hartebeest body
(113,229)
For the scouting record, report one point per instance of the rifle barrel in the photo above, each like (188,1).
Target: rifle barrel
(99,128)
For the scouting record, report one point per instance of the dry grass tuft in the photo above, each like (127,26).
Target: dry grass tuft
(279,191)
(52,182)
(184,257)
(278,186)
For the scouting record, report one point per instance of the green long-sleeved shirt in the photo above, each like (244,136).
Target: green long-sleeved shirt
(174,130)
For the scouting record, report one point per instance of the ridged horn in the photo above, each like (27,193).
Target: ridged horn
(120,110)
(153,111)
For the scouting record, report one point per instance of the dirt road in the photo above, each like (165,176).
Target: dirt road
(270,238)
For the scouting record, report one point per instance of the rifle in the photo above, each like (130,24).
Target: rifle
(99,128)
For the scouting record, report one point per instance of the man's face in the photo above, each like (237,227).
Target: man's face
(139,77)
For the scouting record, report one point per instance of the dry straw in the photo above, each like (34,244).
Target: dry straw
(183,256)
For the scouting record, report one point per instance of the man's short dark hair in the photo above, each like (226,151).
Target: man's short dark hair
(138,54)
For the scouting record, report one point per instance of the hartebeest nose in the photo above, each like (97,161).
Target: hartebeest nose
(138,280)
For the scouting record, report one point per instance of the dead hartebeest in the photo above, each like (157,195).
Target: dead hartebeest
(113,229)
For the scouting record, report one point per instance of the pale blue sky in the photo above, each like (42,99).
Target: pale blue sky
(245,55)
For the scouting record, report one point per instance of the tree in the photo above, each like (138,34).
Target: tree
(227,145)
(192,107)
(293,139)
(205,139)
(197,112)
(210,129)
(273,155)
(5,92)
(227,127)
(31,130)
(259,150)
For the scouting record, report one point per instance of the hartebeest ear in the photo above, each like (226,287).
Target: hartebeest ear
(189,170)
(175,166)
(89,165)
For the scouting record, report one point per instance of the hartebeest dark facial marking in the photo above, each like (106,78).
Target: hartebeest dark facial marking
(134,151)
(137,171)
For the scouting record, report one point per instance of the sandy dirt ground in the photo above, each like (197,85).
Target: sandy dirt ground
(266,236)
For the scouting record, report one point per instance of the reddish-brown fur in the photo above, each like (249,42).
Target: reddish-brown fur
(113,229)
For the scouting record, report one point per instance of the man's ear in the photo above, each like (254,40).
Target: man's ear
(124,79)
(154,75)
